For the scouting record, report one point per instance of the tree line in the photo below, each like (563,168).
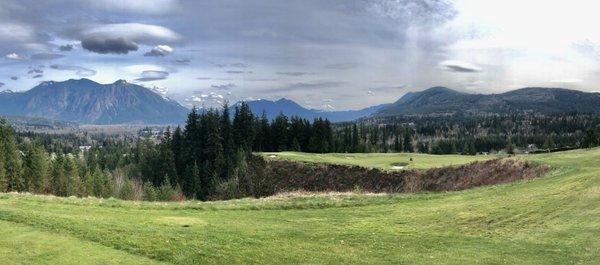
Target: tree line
(206,158)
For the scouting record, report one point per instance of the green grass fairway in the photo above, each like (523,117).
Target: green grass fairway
(383,161)
(551,220)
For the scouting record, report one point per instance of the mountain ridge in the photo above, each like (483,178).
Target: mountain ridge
(288,107)
(540,100)
(87,102)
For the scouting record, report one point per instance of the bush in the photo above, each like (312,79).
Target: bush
(150,192)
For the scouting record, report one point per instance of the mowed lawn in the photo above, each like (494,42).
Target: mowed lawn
(380,160)
(551,220)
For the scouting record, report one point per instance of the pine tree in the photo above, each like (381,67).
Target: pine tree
(243,127)
(71,177)
(279,133)
(58,177)
(227,141)
(548,143)
(35,169)
(12,158)
(177,148)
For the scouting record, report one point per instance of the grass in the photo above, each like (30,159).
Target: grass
(384,161)
(551,220)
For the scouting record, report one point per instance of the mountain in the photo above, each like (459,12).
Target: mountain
(291,108)
(87,102)
(441,100)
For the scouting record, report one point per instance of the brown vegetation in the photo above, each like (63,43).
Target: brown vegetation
(267,177)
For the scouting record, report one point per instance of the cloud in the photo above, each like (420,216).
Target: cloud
(14,77)
(460,67)
(122,38)
(46,56)
(183,61)
(80,71)
(239,65)
(224,87)
(306,86)
(238,72)
(106,46)
(370,93)
(211,99)
(134,32)
(15,32)
(150,7)
(341,66)
(66,48)
(568,80)
(35,71)
(152,75)
(1,84)
(14,56)
(294,73)
(160,50)
(37,76)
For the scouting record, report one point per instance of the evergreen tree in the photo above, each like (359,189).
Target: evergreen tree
(35,168)
(12,158)
(279,133)
(71,177)
(243,127)
(178,150)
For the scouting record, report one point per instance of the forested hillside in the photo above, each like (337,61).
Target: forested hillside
(208,158)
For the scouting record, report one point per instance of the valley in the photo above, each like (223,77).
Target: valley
(549,220)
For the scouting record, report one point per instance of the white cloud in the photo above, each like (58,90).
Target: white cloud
(14,56)
(137,32)
(160,50)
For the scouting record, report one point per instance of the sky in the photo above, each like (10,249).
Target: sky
(333,54)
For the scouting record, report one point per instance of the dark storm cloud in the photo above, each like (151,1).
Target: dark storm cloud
(152,75)
(109,45)
(294,73)
(46,56)
(80,71)
(66,48)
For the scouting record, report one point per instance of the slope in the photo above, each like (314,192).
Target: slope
(85,101)
(550,220)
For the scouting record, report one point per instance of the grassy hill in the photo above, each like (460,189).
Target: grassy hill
(551,220)
(383,161)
